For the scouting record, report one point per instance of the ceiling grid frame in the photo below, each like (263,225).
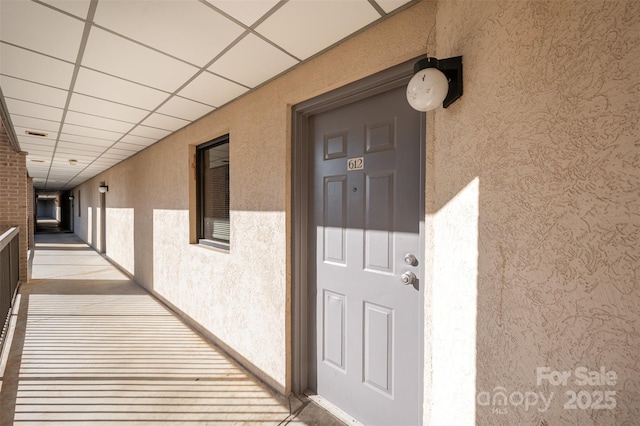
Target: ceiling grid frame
(108,128)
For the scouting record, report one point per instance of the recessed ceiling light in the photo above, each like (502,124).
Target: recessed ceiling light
(73,162)
(32,133)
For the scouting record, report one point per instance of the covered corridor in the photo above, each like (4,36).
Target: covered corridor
(88,346)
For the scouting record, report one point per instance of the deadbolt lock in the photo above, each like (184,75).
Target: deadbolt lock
(410,259)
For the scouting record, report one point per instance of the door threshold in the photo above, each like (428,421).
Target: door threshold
(331,408)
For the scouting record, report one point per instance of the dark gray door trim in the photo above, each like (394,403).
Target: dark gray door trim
(369,86)
(103,223)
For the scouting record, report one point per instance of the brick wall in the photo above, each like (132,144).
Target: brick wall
(14,195)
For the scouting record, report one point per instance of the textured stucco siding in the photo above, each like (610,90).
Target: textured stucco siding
(548,128)
(533,201)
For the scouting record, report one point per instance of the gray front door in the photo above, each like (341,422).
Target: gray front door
(365,197)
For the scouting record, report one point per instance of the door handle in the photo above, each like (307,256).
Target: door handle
(408,278)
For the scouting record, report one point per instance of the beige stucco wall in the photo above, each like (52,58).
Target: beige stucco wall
(241,297)
(541,157)
(532,198)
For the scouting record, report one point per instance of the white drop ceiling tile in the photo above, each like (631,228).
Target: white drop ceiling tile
(85,174)
(305,27)
(212,90)
(58,174)
(35,124)
(165,122)
(391,5)
(31,109)
(61,170)
(114,89)
(61,162)
(73,129)
(94,169)
(246,11)
(40,28)
(188,30)
(59,179)
(32,92)
(107,109)
(138,140)
(37,173)
(239,63)
(84,140)
(41,164)
(37,166)
(81,148)
(117,156)
(120,152)
(114,156)
(105,163)
(35,140)
(185,108)
(41,152)
(126,148)
(64,171)
(69,154)
(90,172)
(38,178)
(150,132)
(122,58)
(20,63)
(42,159)
(78,8)
(37,161)
(97,122)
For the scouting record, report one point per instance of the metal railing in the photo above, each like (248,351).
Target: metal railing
(9,276)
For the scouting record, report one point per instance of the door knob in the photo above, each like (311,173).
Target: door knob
(408,278)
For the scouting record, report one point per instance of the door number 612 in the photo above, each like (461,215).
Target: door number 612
(355,164)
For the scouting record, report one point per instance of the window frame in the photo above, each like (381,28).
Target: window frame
(200,225)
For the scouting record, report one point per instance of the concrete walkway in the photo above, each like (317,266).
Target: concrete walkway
(89,346)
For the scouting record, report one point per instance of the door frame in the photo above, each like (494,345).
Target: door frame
(301,150)
(103,222)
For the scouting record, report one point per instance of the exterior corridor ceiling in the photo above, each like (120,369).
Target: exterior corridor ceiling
(97,81)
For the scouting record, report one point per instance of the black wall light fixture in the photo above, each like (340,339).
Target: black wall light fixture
(436,82)
(103,188)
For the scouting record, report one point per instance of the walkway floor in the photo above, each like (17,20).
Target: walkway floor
(90,347)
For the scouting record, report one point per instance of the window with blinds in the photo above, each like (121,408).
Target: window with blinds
(213,192)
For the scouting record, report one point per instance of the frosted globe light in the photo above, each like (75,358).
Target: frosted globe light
(427,89)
